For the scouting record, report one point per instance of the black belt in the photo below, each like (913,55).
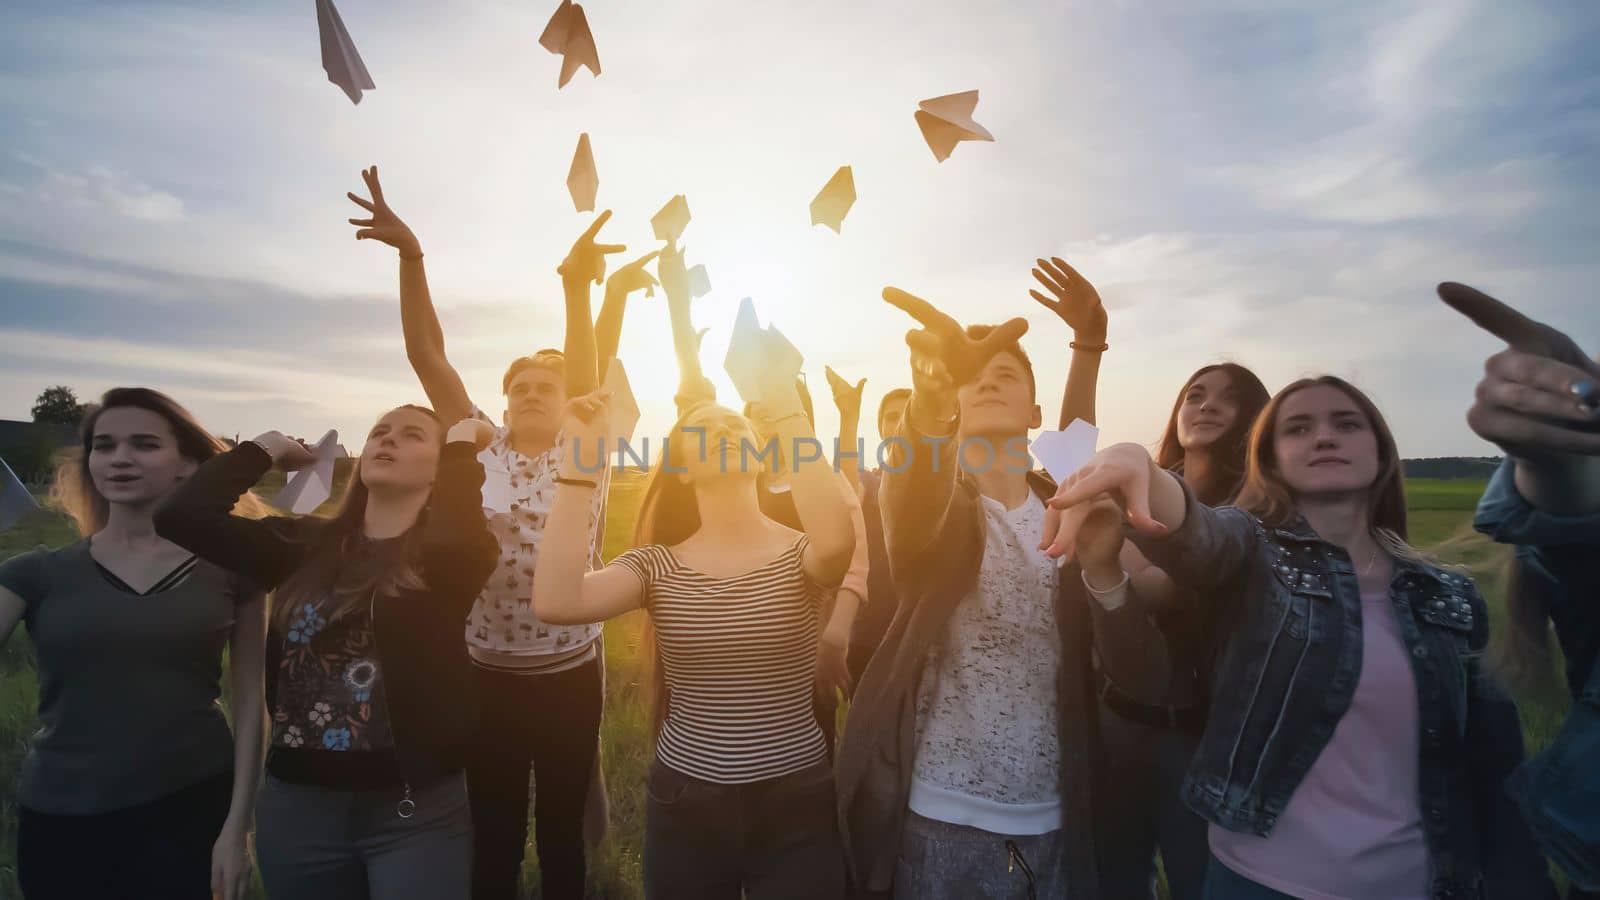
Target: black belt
(1185,718)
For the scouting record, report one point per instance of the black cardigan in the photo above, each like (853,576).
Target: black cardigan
(426,669)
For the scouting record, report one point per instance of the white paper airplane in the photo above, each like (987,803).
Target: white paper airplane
(583,182)
(947,121)
(496,483)
(568,35)
(833,202)
(339,57)
(622,411)
(312,485)
(699,282)
(669,222)
(759,356)
(1064,452)
(16,501)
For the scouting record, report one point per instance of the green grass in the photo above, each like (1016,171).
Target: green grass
(1440,514)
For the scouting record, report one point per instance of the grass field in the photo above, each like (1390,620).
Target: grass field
(1440,512)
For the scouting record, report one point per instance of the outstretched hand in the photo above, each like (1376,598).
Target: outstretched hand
(583,432)
(1121,473)
(633,277)
(1541,395)
(1076,301)
(941,336)
(384,225)
(586,261)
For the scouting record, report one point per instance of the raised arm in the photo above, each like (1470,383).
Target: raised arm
(585,265)
(608,324)
(848,401)
(564,592)
(1078,304)
(198,514)
(818,496)
(230,862)
(919,474)
(418,320)
(693,386)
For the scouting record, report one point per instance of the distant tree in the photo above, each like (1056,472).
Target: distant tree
(58,406)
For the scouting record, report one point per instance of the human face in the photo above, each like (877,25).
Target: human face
(890,415)
(534,402)
(134,457)
(1324,443)
(402,451)
(1210,407)
(997,403)
(729,446)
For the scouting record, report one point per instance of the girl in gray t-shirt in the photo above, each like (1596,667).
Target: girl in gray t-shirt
(134,757)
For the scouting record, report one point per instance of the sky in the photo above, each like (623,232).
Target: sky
(1276,183)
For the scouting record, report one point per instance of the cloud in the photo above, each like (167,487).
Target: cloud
(98,189)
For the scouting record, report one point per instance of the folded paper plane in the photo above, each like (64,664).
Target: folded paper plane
(311,486)
(339,57)
(582,180)
(947,121)
(835,200)
(568,36)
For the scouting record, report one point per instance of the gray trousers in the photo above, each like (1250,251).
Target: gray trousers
(315,843)
(940,861)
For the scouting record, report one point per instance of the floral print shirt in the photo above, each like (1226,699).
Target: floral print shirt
(330,686)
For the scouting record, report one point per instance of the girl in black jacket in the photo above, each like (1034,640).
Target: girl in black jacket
(369,685)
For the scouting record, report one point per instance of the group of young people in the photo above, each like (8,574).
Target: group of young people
(1226,653)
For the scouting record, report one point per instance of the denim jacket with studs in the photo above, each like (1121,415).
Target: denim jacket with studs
(1282,658)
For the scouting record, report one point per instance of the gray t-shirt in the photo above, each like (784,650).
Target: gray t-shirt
(128,684)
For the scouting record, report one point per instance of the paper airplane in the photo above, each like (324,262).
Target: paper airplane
(311,486)
(16,501)
(1064,452)
(568,36)
(670,222)
(758,356)
(699,282)
(582,180)
(947,121)
(834,201)
(622,412)
(339,57)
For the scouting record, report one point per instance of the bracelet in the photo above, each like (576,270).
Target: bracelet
(408,256)
(798,414)
(1101,592)
(577,482)
(1100,349)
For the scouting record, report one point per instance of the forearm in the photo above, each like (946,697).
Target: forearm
(424,339)
(1560,485)
(848,457)
(1201,546)
(579,346)
(564,554)
(197,515)
(818,499)
(684,343)
(918,484)
(247,661)
(836,631)
(608,328)
(458,552)
(1078,398)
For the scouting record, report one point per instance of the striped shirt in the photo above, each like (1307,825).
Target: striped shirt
(739,658)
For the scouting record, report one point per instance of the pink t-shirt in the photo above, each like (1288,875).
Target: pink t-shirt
(1353,828)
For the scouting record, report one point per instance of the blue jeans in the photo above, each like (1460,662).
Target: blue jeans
(1223,883)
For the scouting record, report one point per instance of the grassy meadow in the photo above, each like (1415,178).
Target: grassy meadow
(1440,513)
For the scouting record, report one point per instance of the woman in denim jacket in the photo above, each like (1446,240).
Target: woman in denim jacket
(1539,400)
(1356,749)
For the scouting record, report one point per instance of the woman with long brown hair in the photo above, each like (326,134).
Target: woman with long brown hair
(134,781)
(741,795)
(1363,749)
(370,687)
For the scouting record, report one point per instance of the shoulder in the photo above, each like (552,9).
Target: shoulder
(650,562)
(29,574)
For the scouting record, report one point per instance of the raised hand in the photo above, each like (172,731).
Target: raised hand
(1541,395)
(586,261)
(1098,546)
(476,432)
(384,225)
(287,453)
(1122,471)
(1076,301)
(633,277)
(962,357)
(583,433)
(845,397)
(672,271)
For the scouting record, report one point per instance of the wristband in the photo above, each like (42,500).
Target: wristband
(418,255)
(577,482)
(1100,349)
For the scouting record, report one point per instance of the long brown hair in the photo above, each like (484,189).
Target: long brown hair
(1270,498)
(323,581)
(73,490)
(1231,446)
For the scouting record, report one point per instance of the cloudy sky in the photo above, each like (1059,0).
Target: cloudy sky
(1275,183)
